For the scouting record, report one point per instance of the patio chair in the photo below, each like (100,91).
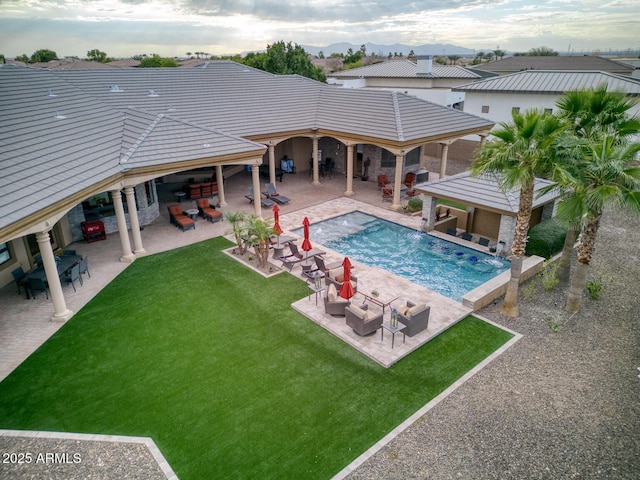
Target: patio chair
(297,256)
(207,211)
(415,317)
(37,285)
(361,321)
(69,252)
(179,219)
(71,275)
(84,268)
(383,180)
(334,304)
(265,202)
(387,193)
(335,277)
(20,278)
(323,267)
(466,236)
(273,194)
(483,241)
(410,179)
(452,231)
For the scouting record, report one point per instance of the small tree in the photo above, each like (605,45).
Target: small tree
(43,56)
(260,231)
(237,221)
(96,55)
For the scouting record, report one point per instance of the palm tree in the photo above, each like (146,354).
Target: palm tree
(260,231)
(237,221)
(588,113)
(522,150)
(610,175)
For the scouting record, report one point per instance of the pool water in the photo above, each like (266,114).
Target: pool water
(439,265)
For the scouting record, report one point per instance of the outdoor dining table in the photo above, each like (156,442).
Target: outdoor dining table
(63,262)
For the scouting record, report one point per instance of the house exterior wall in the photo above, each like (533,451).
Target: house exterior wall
(485,223)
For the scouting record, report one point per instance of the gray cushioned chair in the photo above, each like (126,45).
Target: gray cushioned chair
(361,321)
(415,321)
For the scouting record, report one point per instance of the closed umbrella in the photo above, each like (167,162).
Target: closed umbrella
(346,290)
(276,222)
(306,243)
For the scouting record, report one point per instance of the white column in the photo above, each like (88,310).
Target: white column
(443,159)
(60,311)
(272,164)
(423,157)
(138,249)
(220,180)
(127,254)
(255,178)
(314,163)
(397,184)
(349,192)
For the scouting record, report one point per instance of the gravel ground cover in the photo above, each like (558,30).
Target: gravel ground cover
(562,403)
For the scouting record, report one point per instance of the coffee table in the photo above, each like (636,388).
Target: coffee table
(193,213)
(398,328)
(380,300)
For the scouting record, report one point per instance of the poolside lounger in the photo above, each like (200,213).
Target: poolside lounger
(452,231)
(272,194)
(466,236)
(297,256)
(483,241)
(265,202)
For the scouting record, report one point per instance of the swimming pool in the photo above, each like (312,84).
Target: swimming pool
(439,265)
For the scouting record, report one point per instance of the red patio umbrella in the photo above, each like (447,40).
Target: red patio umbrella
(276,221)
(346,290)
(306,243)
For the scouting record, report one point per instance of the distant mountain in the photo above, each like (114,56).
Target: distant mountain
(383,50)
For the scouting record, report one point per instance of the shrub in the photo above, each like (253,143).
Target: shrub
(546,239)
(595,288)
(414,204)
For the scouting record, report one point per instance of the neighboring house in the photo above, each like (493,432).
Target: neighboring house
(553,62)
(422,79)
(73,140)
(495,98)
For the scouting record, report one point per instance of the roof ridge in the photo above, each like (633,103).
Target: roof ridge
(396,111)
(124,158)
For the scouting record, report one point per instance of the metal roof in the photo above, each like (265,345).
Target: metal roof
(555,62)
(552,82)
(484,192)
(404,69)
(99,123)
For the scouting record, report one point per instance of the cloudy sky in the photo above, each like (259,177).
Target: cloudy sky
(173,27)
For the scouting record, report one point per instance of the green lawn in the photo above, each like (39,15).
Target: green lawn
(208,358)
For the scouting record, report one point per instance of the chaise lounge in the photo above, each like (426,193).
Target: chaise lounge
(179,219)
(415,317)
(273,194)
(207,211)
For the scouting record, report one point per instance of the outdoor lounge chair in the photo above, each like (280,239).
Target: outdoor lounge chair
(323,267)
(297,256)
(179,219)
(273,194)
(265,202)
(207,211)
(483,241)
(361,321)
(387,193)
(383,180)
(466,236)
(334,304)
(410,179)
(452,231)
(38,284)
(335,277)
(415,317)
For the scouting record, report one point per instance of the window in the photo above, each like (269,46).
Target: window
(5,253)
(515,110)
(485,109)
(548,110)
(389,159)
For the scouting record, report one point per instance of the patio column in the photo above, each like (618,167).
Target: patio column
(314,163)
(272,164)
(138,249)
(220,180)
(255,178)
(443,159)
(127,254)
(60,311)
(397,184)
(349,192)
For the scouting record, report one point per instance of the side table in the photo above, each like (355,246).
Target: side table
(311,288)
(193,213)
(393,330)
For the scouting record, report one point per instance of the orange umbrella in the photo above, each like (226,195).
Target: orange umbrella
(276,221)
(346,290)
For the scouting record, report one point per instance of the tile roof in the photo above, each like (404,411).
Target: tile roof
(405,69)
(483,191)
(158,117)
(552,82)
